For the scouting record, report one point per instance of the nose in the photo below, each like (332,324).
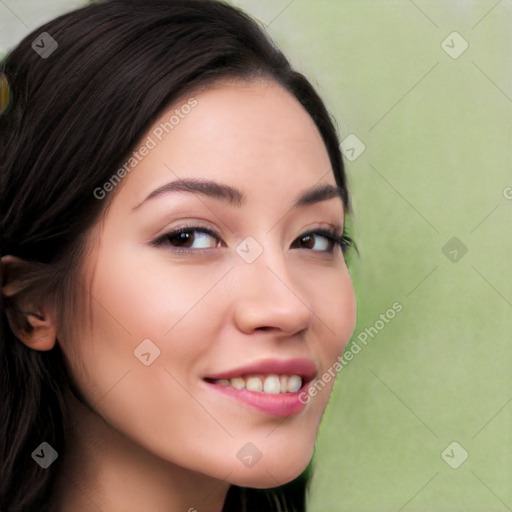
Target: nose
(270,298)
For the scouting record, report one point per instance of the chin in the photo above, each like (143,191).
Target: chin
(274,471)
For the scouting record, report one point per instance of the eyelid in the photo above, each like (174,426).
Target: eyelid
(192,224)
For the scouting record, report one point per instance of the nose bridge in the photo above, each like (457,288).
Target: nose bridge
(264,261)
(269,294)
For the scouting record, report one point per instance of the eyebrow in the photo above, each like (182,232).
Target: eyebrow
(235,197)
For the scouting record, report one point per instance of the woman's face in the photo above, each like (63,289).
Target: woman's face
(170,315)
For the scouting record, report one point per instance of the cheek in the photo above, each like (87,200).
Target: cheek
(335,308)
(151,296)
(334,305)
(175,314)
(132,299)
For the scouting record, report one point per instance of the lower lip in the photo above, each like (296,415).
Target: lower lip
(280,405)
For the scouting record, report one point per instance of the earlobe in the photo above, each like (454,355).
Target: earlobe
(29,321)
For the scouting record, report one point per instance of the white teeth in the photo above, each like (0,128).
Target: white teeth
(284,383)
(294,384)
(238,383)
(271,384)
(254,384)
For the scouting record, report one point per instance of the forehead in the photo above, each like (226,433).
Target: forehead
(254,136)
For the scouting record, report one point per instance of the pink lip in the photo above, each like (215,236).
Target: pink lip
(280,405)
(276,405)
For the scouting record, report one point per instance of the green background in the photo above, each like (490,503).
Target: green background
(437,164)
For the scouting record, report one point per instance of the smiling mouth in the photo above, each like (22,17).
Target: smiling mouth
(272,384)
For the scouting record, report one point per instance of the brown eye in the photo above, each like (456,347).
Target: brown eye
(190,238)
(324,242)
(182,239)
(307,241)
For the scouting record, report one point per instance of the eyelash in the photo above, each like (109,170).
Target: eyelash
(343,240)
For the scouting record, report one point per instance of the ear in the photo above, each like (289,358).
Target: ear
(32,322)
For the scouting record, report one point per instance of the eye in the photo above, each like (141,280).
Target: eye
(189,238)
(327,240)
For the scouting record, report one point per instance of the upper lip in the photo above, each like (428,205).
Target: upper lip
(302,367)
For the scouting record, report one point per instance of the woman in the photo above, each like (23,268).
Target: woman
(173,272)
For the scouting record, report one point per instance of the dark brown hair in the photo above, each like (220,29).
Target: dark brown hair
(74,119)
